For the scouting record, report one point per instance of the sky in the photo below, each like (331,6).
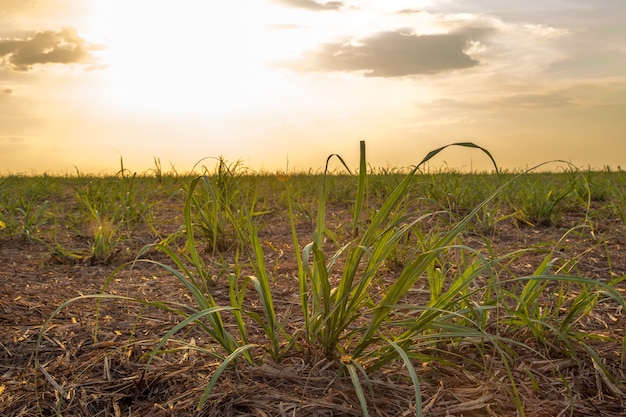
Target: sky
(281,84)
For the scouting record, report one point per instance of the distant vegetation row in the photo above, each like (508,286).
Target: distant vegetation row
(105,210)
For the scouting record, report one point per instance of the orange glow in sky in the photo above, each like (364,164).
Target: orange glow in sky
(283,83)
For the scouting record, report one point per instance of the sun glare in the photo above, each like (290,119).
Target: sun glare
(188,58)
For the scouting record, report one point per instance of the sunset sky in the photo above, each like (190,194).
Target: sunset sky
(281,84)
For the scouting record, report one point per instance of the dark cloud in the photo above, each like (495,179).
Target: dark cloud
(7,91)
(312,4)
(394,53)
(48,47)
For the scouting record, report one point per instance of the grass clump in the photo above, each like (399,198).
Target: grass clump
(400,286)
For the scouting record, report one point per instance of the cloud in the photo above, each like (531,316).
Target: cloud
(550,100)
(394,53)
(570,95)
(47,47)
(409,11)
(312,4)
(7,91)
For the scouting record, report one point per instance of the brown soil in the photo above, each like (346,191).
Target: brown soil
(80,375)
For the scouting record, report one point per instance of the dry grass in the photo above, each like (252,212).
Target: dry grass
(110,378)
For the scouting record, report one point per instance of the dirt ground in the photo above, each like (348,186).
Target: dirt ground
(76,374)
